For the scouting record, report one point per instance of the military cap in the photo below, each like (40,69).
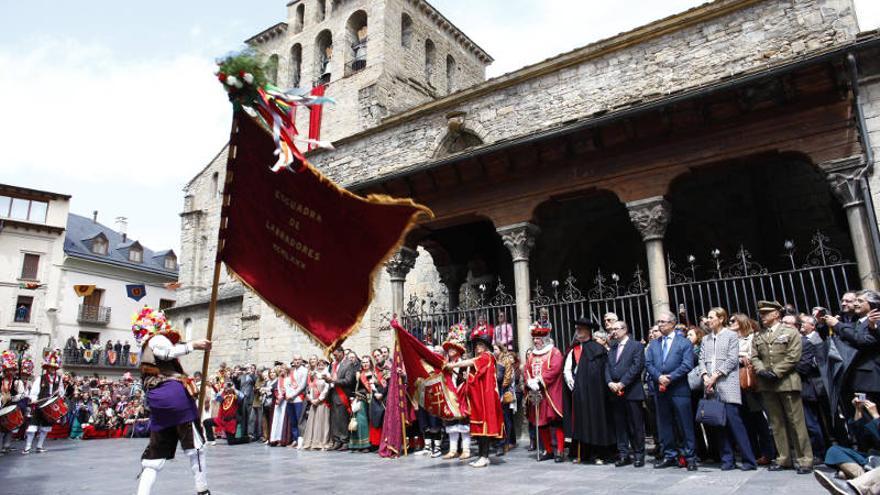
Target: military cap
(767,306)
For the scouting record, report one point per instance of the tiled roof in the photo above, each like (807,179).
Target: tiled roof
(81,230)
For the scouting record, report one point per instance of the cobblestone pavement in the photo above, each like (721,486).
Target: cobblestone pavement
(98,467)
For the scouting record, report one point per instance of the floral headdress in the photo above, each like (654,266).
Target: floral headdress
(9,360)
(27,366)
(149,322)
(53,359)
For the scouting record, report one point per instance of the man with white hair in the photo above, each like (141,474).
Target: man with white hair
(609,320)
(543,375)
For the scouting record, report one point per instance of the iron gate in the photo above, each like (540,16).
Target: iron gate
(630,302)
(819,279)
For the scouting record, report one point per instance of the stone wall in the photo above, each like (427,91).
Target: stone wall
(633,67)
(394,77)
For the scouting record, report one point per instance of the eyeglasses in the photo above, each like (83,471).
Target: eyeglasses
(609,319)
(663,321)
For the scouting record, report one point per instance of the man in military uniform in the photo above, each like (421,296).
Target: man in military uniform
(776,350)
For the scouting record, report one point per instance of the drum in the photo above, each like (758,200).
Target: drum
(10,418)
(53,409)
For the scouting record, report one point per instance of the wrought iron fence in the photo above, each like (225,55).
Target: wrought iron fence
(819,279)
(631,302)
(429,318)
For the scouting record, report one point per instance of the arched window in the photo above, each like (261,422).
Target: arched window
(321,12)
(356,33)
(405,30)
(296,54)
(300,19)
(430,55)
(450,74)
(272,68)
(323,56)
(187,329)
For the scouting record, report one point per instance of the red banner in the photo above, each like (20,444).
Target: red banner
(309,248)
(426,382)
(315,114)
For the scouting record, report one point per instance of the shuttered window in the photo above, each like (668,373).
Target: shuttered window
(30,266)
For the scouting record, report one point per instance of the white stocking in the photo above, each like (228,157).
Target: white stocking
(42,437)
(29,439)
(453,441)
(149,473)
(7,440)
(466,441)
(199,468)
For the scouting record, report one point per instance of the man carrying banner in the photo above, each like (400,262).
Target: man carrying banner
(170,398)
(484,402)
(543,373)
(460,427)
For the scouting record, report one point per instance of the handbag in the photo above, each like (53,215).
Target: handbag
(695,379)
(710,412)
(748,380)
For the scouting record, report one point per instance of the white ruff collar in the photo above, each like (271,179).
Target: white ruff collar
(542,351)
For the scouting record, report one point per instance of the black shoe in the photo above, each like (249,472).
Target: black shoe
(777,467)
(639,462)
(748,467)
(728,467)
(499,452)
(622,461)
(546,456)
(531,448)
(839,487)
(559,458)
(665,463)
(692,466)
(804,470)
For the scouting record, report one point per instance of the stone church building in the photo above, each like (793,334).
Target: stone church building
(715,157)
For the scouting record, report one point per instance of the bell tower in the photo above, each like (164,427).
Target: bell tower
(376,58)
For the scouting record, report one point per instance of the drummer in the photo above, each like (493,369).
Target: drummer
(11,391)
(45,386)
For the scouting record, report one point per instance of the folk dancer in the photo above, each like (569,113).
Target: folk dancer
(47,385)
(12,391)
(171,399)
(543,374)
(483,400)
(457,428)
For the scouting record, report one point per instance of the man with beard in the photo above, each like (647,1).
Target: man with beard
(592,427)
(543,375)
(342,379)
(583,330)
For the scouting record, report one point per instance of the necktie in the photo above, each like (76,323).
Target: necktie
(665,347)
(619,352)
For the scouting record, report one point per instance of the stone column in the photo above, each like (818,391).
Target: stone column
(847,188)
(650,217)
(397,267)
(519,238)
(452,276)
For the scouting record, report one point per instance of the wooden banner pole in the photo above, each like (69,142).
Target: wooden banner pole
(212,310)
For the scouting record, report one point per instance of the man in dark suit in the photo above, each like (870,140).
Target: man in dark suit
(668,362)
(342,381)
(863,375)
(623,373)
(246,386)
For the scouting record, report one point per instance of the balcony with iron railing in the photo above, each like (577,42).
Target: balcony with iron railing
(93,315)
(101,358)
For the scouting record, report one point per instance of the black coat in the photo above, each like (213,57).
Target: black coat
(863,375)
(628,370)
(592,423)
(808,368)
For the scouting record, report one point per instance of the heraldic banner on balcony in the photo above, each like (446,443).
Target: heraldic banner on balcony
(306,246)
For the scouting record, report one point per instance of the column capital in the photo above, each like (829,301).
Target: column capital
(846,187)
(519,238)
(401,263)
(650,216)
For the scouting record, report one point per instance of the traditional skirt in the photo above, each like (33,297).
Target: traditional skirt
(170,405)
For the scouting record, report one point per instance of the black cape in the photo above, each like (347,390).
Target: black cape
(591,422)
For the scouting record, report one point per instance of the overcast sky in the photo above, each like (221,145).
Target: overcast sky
(115,103)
